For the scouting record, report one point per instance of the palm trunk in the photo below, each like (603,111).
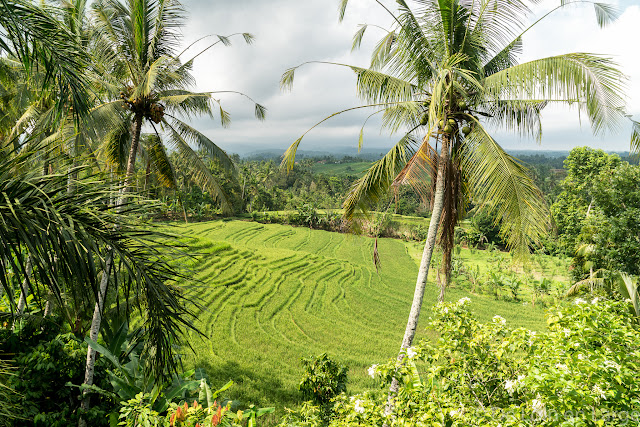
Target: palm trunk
(444,275)
(22,302)
(93,334)
(423,271)
(131,161)
(73,176)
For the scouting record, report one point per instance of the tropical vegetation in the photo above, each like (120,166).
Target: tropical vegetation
(275,316)
(447,71)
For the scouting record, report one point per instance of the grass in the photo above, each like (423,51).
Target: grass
(272,294)
(341,169)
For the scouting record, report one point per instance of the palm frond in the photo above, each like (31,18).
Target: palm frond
(605,13)
(375,87)
(521,117)
(342,8)
(199,171)
(592,82)
(585,285)
(115,147)
(205,144)
(635,137)
(368,190)
(629,289)
(151,76)
(503,185)
(159,160)
(420,171)
(289,157)
(37,38)
(67,237)
(357,37)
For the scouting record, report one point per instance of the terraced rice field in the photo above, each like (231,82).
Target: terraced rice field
(271,294)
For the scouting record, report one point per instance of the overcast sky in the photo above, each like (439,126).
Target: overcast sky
(289,32)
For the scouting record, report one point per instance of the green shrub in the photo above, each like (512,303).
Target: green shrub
(323,379)
(44,382)
(581,372)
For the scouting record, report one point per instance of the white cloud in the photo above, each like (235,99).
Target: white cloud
(289,32)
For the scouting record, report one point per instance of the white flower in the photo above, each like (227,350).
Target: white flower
(562,367)
(411,352)
(539,407)
(531,337)
(521,378)
(499,319)
(464,300)
(581,356)
(453,413)
(595,300)
(358,406)
(599,391)
(510,386)
(445,310)
(372,370)
(611,364)
(579,301)
(567,332)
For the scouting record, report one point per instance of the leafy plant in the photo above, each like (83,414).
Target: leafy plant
(323,379)
(132,376)
(48,366)
(583,369)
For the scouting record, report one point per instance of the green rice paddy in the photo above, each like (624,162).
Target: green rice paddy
(271,294)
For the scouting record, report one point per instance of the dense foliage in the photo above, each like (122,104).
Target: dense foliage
(49,366)
(95,103)
(581,371)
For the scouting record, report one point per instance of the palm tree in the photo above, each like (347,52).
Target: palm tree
(139,38)
(73,241)
(34,36)
(445,73)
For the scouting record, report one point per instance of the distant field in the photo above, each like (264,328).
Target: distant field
(274,293)
(337,169)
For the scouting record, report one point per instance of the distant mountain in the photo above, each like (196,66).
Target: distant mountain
(372,154)
(368,154)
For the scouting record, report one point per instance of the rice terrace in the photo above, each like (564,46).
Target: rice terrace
(319,213)
(272,294)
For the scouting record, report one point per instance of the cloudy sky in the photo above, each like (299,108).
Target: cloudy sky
(289,32)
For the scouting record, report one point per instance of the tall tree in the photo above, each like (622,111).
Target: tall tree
(140,39)
(576,201)
(445,72)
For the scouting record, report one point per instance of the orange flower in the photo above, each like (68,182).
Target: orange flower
(172,420)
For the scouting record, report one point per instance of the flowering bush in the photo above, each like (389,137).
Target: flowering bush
(581,372)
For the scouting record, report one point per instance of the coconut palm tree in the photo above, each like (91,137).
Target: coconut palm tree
(444,73)
(35,36)
(75,242)
(140,39)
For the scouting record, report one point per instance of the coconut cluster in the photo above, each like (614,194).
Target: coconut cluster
(151,110)
(449,125)
(156,113)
